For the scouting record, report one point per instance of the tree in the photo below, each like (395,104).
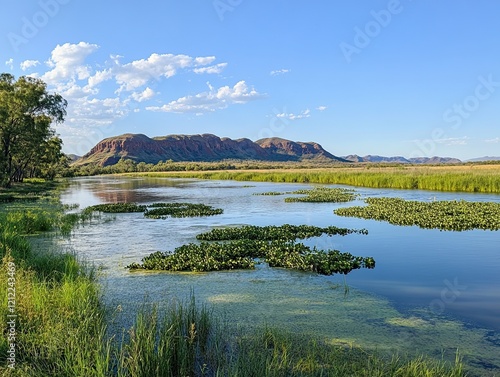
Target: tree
(27,140)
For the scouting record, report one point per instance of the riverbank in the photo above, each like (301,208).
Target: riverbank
(463,178)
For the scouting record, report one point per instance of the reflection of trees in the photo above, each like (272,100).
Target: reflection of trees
(110,191)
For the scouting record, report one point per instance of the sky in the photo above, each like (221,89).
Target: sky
(400,77)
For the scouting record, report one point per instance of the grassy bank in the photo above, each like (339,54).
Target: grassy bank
(466,178)
(59,326)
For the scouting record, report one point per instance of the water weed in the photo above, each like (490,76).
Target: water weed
(445,215)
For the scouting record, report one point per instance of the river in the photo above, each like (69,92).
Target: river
(434,292)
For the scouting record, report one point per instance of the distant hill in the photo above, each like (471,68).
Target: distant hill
(206,147)
(402,160)
(73,157)
(486,158)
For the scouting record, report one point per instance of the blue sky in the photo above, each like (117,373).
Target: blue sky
(398,77)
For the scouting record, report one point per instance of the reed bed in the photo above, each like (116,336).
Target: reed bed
(468,178)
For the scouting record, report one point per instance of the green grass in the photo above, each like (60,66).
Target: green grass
(467,178)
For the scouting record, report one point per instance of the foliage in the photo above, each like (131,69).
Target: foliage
(157,210)
(273,244)
(269,193)
(116,208)
(445,215)
(28,145)
(324,194)
(285,232)
(163,210)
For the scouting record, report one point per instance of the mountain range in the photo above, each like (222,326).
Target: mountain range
(402,160)
(208,147)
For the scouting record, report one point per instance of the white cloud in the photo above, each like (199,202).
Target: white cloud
(29,64)
(212,100)
(211,69)
(138,73)
(280,72)
(10,63)
(495,140)
(66,62)
(291,116)
(321,108)
(453,141)
(148,93)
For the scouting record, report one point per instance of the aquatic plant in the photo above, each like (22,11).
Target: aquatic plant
(324,194)
(163,210)
(269,193)
(284,232)
(157,210)
(116,208)
(241,254)
(445,215)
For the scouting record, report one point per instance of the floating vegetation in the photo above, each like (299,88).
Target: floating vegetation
(163,210)
(445,215)
(274,244)
(116,208)
(158,210)
(269,193)
(285,232)
(324,194)
(241,254)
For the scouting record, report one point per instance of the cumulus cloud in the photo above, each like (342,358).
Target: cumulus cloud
(145,95)
(280,72)
(321,108)
(214,99)
(291,116)
(66,62)
(495,140)
(213,69)
(10,63)
(27,64)
(99,93)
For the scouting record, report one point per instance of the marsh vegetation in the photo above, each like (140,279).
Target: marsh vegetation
(445,215)
(248,245)
(157,210)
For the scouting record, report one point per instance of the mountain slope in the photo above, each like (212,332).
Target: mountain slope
(206,147)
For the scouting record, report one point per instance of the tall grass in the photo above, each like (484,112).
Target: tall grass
(466,178)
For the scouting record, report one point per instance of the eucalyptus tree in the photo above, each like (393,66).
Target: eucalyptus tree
(27,140)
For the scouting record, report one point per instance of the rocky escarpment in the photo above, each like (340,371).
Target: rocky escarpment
(206,147)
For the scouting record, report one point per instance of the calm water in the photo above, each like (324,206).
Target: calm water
(431,291)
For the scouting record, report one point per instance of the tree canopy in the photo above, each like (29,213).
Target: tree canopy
(29,146)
